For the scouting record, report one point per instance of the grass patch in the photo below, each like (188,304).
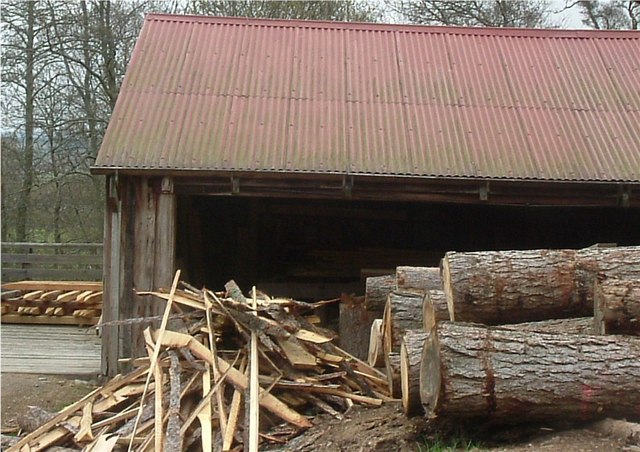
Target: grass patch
(439,443)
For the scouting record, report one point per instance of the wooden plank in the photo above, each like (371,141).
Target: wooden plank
(68,296)
(49,320)
(52,285)
(297,355)
(15,274)
(67,259)
(31,296)
(254,385)
(29,350)
(59,246)
(237,379)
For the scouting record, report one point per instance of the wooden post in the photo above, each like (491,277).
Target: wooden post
(165,250)
(110,258)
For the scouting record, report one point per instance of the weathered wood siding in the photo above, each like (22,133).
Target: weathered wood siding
(140,220)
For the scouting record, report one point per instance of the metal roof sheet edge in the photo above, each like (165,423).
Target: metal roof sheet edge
(376,26)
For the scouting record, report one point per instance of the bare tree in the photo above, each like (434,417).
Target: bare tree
(609,15)
(341,10)
(24,60)
(490,13)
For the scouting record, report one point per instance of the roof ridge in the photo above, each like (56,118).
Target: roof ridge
(409,28)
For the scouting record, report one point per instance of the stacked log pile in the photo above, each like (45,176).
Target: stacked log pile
(518,337)
(52,302)
(211,352)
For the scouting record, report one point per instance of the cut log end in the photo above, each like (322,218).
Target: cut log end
(410,359)
(376,349)
(447,288)
(392,363)
(434,309)
(430,376)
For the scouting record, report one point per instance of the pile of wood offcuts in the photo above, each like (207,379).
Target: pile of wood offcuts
(513,337)
(223,372)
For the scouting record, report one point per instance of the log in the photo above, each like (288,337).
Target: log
(614,262)
(617,307)
(418,278)
(403,312)
(581,325)
(410,361)
(500,287)
(434,308)
(377,290)
(480,374)
(392,364)
(355,326)
(376,349)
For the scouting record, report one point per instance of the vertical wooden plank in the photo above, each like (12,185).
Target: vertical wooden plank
(166,237)
(144,233)
(111,289)
(127,253)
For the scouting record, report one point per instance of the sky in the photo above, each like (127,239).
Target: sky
(570,18)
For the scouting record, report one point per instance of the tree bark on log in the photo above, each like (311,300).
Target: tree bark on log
(616,262)
(403,312)
(376,349)
(377,290)
(480,374)
(392,364)
(581,325)
(500,287)
(355,326)
(418,278)
(617,307)
(434,308)
(410,360)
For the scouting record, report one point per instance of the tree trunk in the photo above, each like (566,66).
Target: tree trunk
(403,312)
(418,278)
(434,309)
(392,364)
(355,326)
(376,349)
(376,291)
(24,198)
(499,287)
(617,307)
(580,325)
(479,374)
(410,360)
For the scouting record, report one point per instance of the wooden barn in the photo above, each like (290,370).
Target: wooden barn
(303,156)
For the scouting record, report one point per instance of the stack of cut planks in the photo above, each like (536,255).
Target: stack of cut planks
(52,302)
(210,354)
(516,336)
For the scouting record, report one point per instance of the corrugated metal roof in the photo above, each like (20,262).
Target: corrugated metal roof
(225,94)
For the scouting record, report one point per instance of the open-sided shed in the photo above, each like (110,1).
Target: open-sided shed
(303,155)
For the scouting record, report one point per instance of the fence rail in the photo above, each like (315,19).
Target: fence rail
(51,261)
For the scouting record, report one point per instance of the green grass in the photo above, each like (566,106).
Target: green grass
(440,444)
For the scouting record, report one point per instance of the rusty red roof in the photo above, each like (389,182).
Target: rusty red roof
(235,94)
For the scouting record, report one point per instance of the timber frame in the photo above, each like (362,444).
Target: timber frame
(141,222)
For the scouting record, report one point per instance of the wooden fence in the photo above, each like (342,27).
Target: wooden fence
(51,261)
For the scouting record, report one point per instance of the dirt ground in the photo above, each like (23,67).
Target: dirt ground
(363,429)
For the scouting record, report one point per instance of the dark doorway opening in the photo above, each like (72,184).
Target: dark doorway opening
(320,248)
